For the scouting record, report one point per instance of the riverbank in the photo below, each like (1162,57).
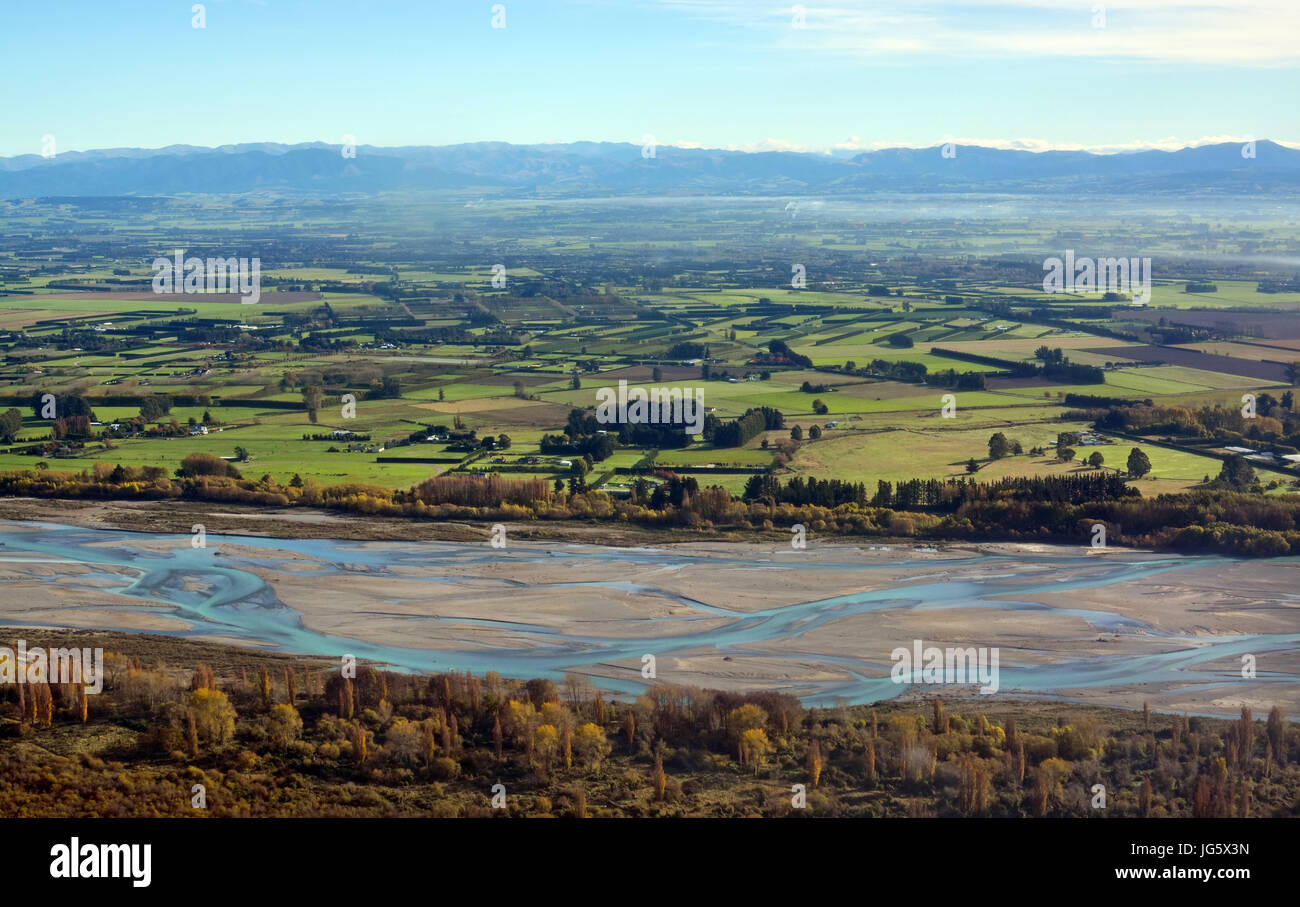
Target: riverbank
(1105,626)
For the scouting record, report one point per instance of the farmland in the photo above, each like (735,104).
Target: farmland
(400,339)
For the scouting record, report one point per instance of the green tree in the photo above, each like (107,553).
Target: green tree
(1237,472)
(154,407)
(11,423)
(1095,459)
(999,446)
(312,395)
(1139,464)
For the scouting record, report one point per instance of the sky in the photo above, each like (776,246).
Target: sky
(741,74)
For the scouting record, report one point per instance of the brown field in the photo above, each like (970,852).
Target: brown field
(505,411)
(526,380)
(1235,321)
(1191,358)
(1274,352)
(18,318)
(1285,344)
(646,373)
(998,384)
(1025,346)
(887,390)
(477,405)
(269,296)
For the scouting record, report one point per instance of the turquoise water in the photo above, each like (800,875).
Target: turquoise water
(226,598)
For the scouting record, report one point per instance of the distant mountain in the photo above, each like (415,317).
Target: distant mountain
(604,168)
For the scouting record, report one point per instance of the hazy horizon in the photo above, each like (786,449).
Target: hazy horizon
(1036,74)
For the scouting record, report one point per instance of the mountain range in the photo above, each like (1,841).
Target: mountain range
(610,168)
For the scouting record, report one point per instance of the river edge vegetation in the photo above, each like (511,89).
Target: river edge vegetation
(189,728)
(1060,509)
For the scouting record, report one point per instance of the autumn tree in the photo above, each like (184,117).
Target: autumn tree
(1038,796)
(754,748)
(814,762)
(589,741)
(740,721)
(1276,731)
(358,744)
(214,716)
(202,679)
(940,719)
(264,686)
(42,705)
(629,730)
(547,744)
(658,778)
(284,725)
(404,741)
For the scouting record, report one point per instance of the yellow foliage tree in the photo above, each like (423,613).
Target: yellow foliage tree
(547,743)
(284,725)
(590,743)
(754,747)
(214,716)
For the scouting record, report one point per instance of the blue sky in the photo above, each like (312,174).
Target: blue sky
(715,73)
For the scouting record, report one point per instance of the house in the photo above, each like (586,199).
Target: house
(198,429)
(340,434)
(832,424)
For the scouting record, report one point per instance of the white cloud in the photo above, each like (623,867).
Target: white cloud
(853,143)
(1238,32)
